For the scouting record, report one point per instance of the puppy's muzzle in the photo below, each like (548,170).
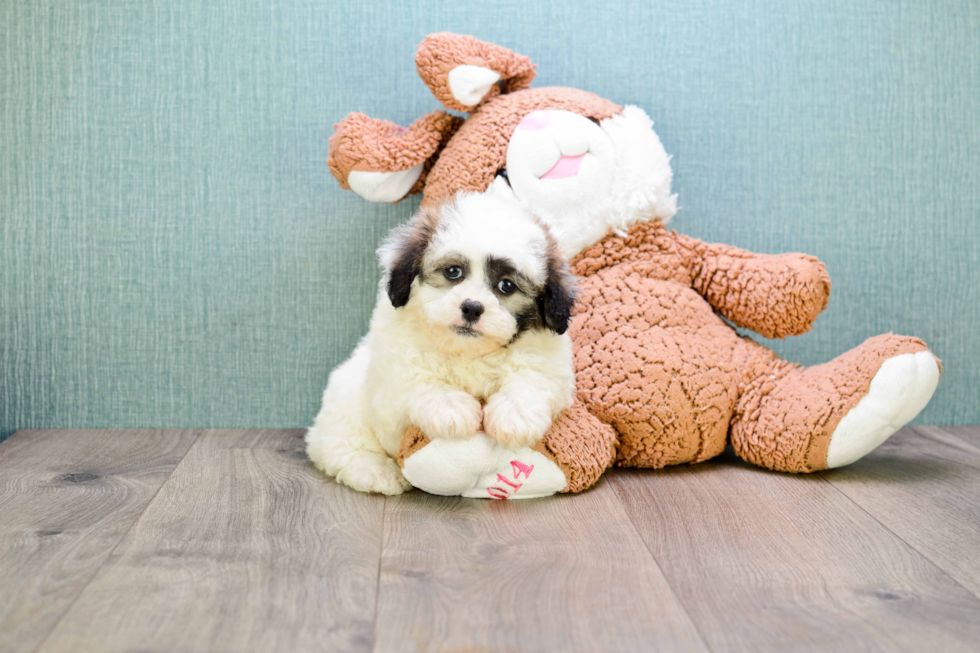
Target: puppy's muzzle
(471,310)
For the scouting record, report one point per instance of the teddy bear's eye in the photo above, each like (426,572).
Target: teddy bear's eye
(506,287)
(503,173)
(453,272)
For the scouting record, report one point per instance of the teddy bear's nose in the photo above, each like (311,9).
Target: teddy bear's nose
(536,120)
(471,310)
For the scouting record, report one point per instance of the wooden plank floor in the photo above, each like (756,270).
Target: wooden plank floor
(230,541)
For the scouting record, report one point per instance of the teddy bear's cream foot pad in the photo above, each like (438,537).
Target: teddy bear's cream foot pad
(479,468)
(384,186)
(899,390)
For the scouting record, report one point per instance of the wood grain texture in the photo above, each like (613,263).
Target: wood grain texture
(765,561)
(66,500)
(923,484)
(246,548)
(230,541)
(969,434)
(561,574)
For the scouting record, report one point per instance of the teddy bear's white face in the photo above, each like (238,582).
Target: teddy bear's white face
(583,178)
(560,160)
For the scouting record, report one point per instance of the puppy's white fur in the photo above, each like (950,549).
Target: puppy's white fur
(416,367)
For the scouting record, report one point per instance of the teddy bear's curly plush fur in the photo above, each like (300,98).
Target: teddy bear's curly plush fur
(663,377)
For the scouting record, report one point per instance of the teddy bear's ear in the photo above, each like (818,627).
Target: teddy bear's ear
(384,162)
(462,71)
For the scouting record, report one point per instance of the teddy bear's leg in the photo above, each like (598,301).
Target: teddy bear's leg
(581,445)
(477,467)
(570,458)
(794,419)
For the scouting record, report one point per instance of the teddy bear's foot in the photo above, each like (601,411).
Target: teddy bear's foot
(479,468)
(571,457)
(899,390)
(794,419)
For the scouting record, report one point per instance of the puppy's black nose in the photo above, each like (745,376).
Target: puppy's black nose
(471,310)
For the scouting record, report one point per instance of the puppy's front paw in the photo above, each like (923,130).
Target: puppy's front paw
(451,414)
(515,423)
(367,471)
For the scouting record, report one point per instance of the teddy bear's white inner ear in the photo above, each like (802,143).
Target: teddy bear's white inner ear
(469,84)
(384,186)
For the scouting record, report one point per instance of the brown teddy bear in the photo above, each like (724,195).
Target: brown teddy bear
(663,378)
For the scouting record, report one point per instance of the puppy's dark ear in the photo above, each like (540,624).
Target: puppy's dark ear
(401,276)
(403,251)
(558,295)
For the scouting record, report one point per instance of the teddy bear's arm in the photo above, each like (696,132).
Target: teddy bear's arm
(775,295)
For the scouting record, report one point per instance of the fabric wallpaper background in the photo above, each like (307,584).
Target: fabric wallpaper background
(174,251)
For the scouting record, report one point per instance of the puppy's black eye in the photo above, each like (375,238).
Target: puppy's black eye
(453,272)
(506,287)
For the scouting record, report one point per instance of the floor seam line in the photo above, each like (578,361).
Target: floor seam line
(54,627)
(377,585)
(925,436)
(897,536)
(653,559)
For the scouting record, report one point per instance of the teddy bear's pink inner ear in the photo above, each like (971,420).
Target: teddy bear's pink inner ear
(470,84)
(462,71)
(384,162)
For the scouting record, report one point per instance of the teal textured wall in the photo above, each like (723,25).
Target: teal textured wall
(175,252)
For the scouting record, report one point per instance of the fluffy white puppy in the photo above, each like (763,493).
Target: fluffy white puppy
(468,332)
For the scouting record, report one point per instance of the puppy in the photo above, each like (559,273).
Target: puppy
(468,332)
